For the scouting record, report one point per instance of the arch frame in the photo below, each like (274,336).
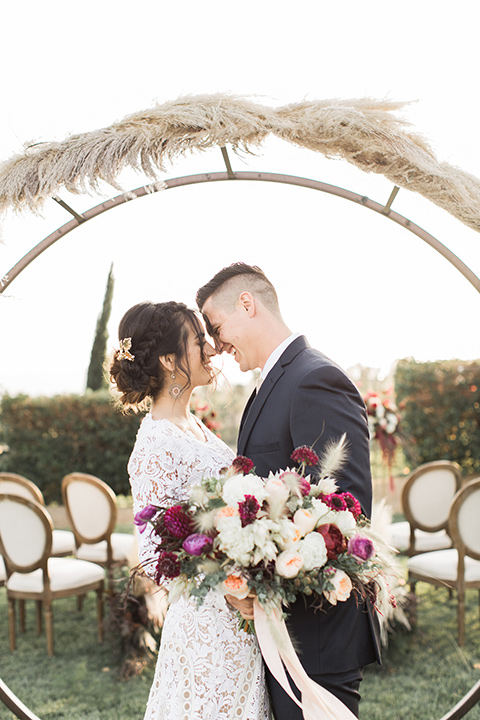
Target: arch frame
(229,175)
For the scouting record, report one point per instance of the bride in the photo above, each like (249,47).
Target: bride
(207,668)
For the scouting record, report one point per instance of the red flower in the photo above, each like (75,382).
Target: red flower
(242,464)
(177,522)
(248,509)
(335,501)
(304,455)
(168,566)
(352,504)
(334,540)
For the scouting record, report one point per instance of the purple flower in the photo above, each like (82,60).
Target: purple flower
(361,548)
(248,509)
(196,544)
(143,516)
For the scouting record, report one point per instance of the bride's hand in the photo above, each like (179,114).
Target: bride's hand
(244,607)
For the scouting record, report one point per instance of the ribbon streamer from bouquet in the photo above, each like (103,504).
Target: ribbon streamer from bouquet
(317,703)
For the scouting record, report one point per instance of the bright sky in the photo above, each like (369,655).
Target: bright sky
(363,289)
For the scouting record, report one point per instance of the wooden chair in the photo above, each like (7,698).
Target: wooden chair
(32,574)
(426,499)
(63,541)
(457,567)
(92,510)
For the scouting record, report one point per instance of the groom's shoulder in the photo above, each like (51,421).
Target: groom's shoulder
(307,357)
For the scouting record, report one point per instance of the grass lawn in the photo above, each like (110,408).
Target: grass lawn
(424,672)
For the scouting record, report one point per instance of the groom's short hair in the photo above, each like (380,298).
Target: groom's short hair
(230,282)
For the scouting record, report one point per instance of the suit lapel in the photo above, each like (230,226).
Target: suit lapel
(256,402)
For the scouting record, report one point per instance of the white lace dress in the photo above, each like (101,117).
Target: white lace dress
(207,668)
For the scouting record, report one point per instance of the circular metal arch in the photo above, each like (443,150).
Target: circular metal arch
(364,201)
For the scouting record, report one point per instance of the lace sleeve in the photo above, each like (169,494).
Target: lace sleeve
(164,465)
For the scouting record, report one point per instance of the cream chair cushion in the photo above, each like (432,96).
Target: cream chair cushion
(442,565)
(122,544)
(64,573)
(399,538)
(63,542)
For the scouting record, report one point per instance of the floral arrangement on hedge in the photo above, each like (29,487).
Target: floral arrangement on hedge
(383,423)
(276,537)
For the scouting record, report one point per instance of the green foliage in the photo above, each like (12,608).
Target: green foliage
(440,411)
(95,376)
(50,437)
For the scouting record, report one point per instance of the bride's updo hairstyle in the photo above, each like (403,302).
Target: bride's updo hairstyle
(146,332)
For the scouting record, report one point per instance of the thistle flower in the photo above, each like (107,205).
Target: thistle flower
(304,455)
(177,522)
(242,464)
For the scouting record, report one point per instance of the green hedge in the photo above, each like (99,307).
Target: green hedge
(48,437)
(440,411)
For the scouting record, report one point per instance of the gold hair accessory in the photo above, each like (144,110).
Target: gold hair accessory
(124,353)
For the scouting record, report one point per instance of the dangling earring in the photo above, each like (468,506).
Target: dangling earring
(175,390)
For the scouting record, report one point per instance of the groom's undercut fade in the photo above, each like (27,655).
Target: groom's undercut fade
(229,283)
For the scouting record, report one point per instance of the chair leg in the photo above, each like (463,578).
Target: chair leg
(100,614)
(21,614)
(11,623)
(461,617)
(38,616)
(49,627)
(80,599)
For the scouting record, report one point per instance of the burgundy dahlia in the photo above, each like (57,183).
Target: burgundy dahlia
(177,522)
(334,540)
(242,464)
(352,504)
(304,455)
(248,509)
(168,566)
(335,501)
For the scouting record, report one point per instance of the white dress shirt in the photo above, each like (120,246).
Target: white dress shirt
(275,355)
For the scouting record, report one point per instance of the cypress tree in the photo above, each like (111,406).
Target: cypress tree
(95,376)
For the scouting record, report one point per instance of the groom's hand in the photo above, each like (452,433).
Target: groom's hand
(244,607)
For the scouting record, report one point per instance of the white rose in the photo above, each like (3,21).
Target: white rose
(345,522)
(238,486)
(313,551)
(305,521)
(342,587)
(277,493)
(323,513)
(288,564)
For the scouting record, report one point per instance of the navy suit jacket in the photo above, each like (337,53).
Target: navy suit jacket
(308,400)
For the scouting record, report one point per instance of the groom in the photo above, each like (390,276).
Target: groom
(303,399)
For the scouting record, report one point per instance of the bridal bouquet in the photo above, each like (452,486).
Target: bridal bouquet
(279,536)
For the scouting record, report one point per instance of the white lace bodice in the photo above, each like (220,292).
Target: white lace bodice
(164,465)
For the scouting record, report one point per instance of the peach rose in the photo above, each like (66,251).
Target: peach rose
(304,520)
(288,564)
(227,511)
(236,585)
(342,587)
